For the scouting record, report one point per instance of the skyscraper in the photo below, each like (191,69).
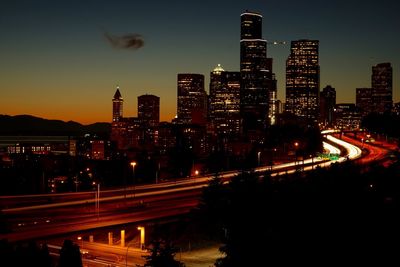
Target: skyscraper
(224,107)
(192,99)
(118,102)
(302,79)
(257,80)
(364,100)
(327,104)
(378,98)
(149,109)
(118,125)
(382,88)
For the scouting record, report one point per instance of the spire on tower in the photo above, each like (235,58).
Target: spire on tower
(117,94)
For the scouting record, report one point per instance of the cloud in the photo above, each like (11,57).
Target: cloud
(131,41)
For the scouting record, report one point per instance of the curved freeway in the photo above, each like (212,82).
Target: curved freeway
(77,211)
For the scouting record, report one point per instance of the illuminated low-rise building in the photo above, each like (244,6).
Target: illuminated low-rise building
(347,116)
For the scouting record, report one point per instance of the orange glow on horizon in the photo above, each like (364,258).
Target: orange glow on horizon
(92,116)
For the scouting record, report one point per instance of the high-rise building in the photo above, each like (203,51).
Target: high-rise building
(149,109)
(118,102)
(131,132)
(364,100)
(192,99)
(327,104)
(224,105)
(258,84)
(382,88)
(302,79)
(378,98)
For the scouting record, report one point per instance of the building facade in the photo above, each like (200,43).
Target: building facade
(258,83)
(224,104)
(302,79)
(364,100)
(118,102)
(378,98)
(149,109)
(327,105)
(135,132)
(382,88)
(347,116)
(192,99)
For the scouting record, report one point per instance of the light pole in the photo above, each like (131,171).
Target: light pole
(98,200)
(126,256)
(157,172)
(80,239)
(258,158)
(141,229)
(312,162)
(272,157)
(296,145)
(133,164)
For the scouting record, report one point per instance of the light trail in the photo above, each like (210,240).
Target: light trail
(354,152)
(198,182)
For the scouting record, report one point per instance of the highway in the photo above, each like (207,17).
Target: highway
(37,216)
(106,255)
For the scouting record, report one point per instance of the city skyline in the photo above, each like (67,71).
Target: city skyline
(59,51)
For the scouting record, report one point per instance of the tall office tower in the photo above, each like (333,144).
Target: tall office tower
(302,79)
(149,109)
(192,99)
(382,88)
(364,100)
(118,124)
(224,107)
(118,102)
(258,83)
(327,104)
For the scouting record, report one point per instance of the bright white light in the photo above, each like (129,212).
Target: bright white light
(353,151)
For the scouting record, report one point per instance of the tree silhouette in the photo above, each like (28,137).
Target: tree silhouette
(338,215)
(162,255)
(70,255)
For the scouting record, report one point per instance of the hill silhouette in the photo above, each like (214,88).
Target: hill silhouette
(31,125)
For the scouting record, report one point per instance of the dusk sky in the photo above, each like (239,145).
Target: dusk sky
(56,63)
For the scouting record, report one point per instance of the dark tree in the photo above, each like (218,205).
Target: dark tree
(162,255)
(339,215)
(44,256)
(212,206)
(70,255)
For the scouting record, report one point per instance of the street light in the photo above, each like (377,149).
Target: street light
(272,158)
(258,158)
(133,164)
(98,200)
(141,229)
(126,256)
(296,145)
(80,239)
(312,162)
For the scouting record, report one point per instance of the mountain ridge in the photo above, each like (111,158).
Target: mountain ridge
(31,125)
